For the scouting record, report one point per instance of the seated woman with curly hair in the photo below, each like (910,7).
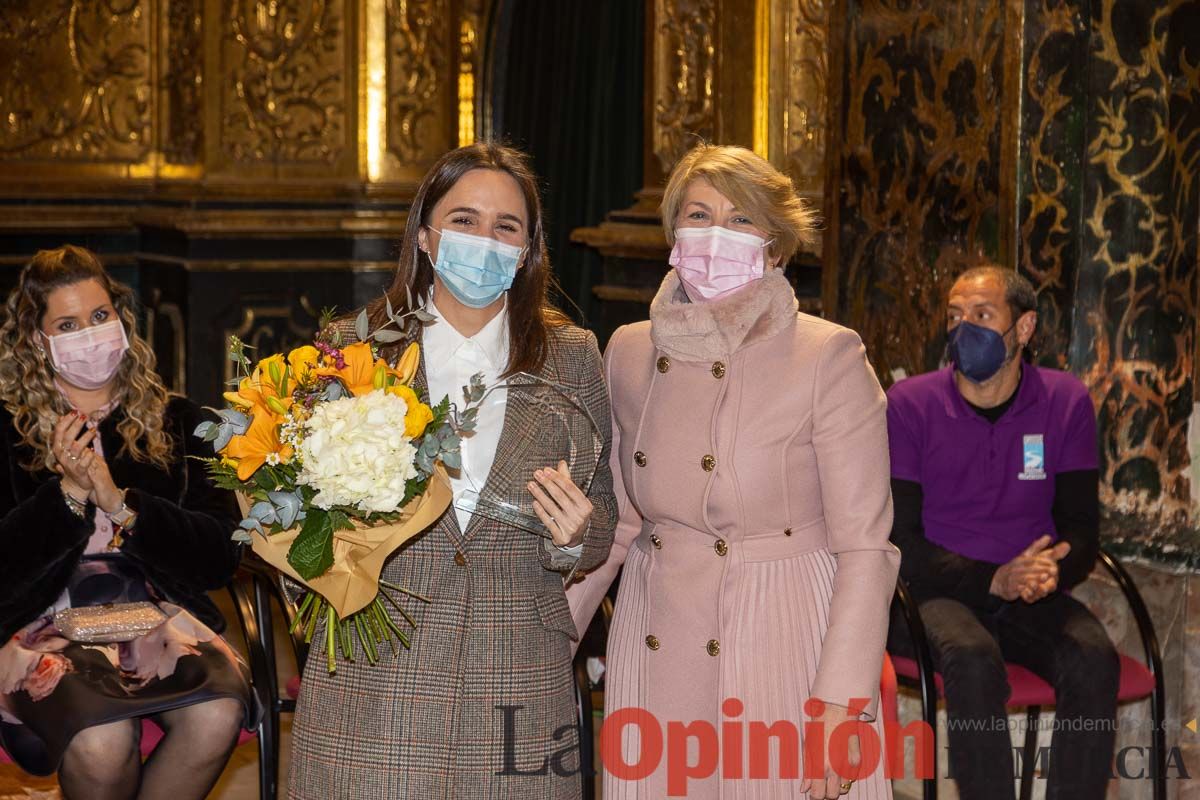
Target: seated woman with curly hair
(100,502)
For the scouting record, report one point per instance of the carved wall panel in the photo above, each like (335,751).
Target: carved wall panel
(1051,164)
(284,83)
(182,134)
(917,169)
(685,64)
(1133,338)
(418,73)
(807,95)
(75,81)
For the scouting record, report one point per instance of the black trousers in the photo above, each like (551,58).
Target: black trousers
(1058,639)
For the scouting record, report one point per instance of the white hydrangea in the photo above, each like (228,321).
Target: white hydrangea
(355,453)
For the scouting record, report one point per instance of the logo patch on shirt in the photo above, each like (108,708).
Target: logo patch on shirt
(1033,458)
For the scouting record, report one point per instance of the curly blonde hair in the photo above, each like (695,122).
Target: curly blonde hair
(27,387)
(754,187)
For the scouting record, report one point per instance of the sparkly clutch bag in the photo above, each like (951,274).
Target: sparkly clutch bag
(118,622)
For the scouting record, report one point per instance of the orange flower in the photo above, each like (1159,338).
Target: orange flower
(258,445)
(262,389)
(363,373)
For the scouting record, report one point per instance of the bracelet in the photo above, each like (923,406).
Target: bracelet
(77,507)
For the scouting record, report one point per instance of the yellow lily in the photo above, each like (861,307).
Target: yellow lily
(303,360)
(418,415)
(262,388)
(257,444)
(406,368)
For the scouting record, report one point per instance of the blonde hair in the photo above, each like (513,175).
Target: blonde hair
(27,387)
(755,188)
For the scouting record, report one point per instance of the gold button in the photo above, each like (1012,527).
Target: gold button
(460,559)
(708,463)
(652,642)
(714,647)
(639,458)
(787,531)
(721,547)
(718,370)
(657,542)
(664,364)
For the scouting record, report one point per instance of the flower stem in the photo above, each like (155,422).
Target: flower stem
(304,607)
(397,606)
(330,647)
(312,620)
(402,590)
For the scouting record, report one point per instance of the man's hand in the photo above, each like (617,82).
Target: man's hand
(1031,575)
(1033,591)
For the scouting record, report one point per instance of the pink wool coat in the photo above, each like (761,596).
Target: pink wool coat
(750,459)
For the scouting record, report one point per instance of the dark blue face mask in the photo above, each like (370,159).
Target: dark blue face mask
(977,352)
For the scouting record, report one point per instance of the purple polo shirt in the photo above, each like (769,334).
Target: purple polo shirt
(988,488)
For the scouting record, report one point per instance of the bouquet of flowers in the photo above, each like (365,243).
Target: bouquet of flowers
(337,463)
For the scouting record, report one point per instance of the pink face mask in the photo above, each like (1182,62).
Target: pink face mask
(89,358)
(714,262)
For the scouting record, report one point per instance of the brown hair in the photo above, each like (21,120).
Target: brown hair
(27,386)
(530,313)
(754,187)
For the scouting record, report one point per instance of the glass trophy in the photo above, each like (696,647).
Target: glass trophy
(564,431)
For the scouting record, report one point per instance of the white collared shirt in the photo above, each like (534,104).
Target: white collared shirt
(450,361)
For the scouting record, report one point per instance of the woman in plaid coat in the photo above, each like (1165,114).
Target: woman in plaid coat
(482,705)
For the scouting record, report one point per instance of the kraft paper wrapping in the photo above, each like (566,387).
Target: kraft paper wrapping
(358,555)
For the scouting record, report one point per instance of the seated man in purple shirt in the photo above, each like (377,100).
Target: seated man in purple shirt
(995,484)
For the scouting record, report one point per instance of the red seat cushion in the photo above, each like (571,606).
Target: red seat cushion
(1030,690)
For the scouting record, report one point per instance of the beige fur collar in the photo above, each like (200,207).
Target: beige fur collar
(716,330)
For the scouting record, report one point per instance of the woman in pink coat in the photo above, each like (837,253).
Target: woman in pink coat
(750,443)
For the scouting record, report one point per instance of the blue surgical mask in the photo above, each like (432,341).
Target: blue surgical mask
(476,269)
(977,352)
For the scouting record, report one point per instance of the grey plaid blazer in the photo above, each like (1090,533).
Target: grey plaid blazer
(482,706)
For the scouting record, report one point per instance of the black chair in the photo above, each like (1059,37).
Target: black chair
(1138,681)
(257,586)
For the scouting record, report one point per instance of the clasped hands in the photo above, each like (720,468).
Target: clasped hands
(84,472)
(1033,574)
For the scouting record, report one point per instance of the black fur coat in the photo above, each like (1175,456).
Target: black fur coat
(181,539)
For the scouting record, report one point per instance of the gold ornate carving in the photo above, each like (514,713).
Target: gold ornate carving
(808,78)
(1138,276)
(182,137)
(916,159)
(684,76)
(470,63)
(417,63)
(75,81)
(284,62)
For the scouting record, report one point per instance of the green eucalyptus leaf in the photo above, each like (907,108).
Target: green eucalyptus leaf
(360,326)
(387,337)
